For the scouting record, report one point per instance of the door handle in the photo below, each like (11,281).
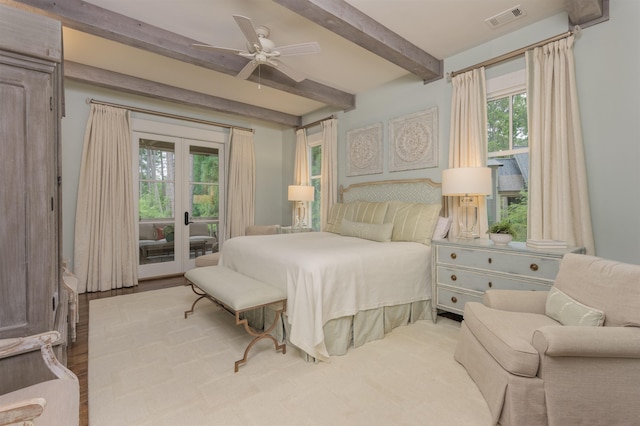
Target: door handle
(186,219)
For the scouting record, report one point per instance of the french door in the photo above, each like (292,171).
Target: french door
(180,196)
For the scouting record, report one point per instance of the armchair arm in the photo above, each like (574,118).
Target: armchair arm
(516,300)
(15,346)
(576,341)
(22,412)
(43,342)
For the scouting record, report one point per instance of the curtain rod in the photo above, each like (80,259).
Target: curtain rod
(166,114)
(315,123)
(513,54)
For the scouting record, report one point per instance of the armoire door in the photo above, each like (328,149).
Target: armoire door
(28,196)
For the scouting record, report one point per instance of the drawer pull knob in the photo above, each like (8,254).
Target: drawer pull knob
(489,260)
(453,278)
(453,255)
(533,267)
(490,284)
(454,299)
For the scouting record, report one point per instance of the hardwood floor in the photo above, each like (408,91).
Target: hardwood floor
(78,351)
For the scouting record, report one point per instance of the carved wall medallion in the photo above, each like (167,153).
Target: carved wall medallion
(413,141)
(364,150)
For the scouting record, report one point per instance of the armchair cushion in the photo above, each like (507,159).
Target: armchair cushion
(507,336)
(568,311)
(588,342)
(516,300)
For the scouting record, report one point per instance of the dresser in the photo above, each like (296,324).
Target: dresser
(464,269)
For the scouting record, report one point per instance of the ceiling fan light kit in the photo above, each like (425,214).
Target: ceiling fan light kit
(262,51)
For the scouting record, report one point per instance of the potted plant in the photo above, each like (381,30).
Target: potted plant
(168,233)
(502,232)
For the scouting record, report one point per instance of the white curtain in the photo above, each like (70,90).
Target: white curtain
(468,137)
(241,187)
(105,246)
(329,168)
(301,165)
(558,191)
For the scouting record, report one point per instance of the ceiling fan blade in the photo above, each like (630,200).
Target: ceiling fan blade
(247,70)
(299,49)
(285,69)
(249,31)
(217,49)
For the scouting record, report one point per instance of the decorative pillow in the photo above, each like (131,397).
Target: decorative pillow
(159,232)
(338,212)
(442,228)
(369,211)
(568,311)
(412,221)
(370,231)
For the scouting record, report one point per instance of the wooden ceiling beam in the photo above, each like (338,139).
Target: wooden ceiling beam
(345,20)
(91,19)
(151,89)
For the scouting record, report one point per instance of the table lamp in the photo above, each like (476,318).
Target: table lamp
(467,183)
(300,194)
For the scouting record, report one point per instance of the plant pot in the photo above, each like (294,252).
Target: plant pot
(500,239)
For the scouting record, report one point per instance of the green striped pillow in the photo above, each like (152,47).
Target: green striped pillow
(412,221)
(568,311)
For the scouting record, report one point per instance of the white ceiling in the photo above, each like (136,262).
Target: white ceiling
(442,28)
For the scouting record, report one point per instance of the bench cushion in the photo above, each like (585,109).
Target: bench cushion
(233,289)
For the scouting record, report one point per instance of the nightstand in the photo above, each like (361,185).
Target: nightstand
(292,230)
(462,270)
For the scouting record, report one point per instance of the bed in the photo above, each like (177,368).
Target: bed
(368,272)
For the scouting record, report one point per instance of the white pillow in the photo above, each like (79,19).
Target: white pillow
(568,311)
(442,228)
(369,231)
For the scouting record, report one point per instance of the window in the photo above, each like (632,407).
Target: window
(315,157)
(508,150)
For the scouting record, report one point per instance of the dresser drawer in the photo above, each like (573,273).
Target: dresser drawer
(526,265)
(481,282)
(453,301)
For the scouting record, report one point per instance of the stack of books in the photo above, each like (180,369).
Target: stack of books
(546,244)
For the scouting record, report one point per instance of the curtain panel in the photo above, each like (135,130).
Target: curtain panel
(329,169)
(558,190)
(468,137)
(105,246)
(241,187)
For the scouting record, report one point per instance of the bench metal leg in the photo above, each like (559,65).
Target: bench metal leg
(201,294)
(266,334)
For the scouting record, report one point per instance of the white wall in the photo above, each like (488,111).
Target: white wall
(268,146)
(608,66)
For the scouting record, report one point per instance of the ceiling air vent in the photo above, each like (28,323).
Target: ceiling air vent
(505,17)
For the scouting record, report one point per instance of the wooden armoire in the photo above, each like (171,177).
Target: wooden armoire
(31,297)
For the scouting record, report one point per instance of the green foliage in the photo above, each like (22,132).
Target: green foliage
(499,128)
(502,227)
(518,216)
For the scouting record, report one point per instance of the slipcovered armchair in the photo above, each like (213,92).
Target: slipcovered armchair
(570,356)
(52,402)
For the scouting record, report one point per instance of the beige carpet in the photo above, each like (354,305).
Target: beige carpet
(150,366)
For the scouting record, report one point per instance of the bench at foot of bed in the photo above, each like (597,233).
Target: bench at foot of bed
(237,293)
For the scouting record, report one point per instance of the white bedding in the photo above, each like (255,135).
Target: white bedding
(328,276)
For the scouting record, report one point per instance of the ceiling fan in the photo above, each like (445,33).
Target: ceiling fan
(262,51)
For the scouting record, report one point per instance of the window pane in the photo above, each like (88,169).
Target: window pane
(316,160)
(156,200)
(315,205)
(498,124)
(520,124)
(204,165)
(204,201)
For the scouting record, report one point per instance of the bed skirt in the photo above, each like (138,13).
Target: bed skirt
(350,331)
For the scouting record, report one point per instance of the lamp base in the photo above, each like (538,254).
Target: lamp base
(468,218)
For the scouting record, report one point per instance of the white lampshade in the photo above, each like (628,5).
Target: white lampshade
(300,193)
(466,181)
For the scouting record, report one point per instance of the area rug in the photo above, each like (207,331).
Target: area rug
(148,365)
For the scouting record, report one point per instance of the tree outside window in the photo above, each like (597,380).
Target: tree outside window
(508,153)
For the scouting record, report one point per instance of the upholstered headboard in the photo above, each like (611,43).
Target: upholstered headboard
(406,190)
